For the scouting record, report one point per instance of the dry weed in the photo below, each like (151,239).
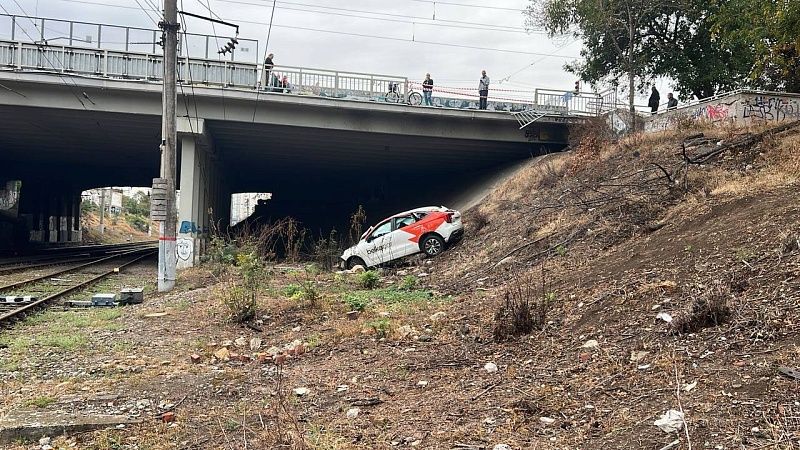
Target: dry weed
(708,308)
(523,310)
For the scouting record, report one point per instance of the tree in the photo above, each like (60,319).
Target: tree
(139,204)
(767,33)
(615,34)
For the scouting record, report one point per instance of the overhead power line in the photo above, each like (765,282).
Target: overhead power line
(361,35)
(465,5)
(409,18)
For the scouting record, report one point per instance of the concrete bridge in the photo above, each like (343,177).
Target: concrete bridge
(73,118)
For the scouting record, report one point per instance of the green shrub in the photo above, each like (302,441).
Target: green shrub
(241,303)
(291,290)
(409,283)
(382,327)
(356,302)
(369,279)
(137,222)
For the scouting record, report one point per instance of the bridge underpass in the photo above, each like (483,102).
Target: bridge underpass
(75,117)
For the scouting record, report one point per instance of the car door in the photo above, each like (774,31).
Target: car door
(376,245)
(404,238)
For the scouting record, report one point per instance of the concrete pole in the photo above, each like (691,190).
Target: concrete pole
(102,209)
(167,256)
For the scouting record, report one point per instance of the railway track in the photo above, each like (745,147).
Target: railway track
(41,290)
(65,255)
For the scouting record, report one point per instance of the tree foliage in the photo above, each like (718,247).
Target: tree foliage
(704,46)
(139,204)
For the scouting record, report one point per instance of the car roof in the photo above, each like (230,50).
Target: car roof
(418,210)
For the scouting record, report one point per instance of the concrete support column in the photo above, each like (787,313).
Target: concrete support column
(63,213)
(52,219)
(190,206)
(77,232)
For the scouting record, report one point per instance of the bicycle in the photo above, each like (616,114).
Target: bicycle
(393,96)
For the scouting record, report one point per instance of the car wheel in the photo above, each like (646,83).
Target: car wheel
(355,261)
(432,245)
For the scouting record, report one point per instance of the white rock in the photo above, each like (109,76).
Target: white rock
(255,343)
(670,422)
(690,386)
(501,447)
(342,388)
(240,342)
(547,420)
(301,391)
(352,413)
(591,343)
(44,440)
(422,383)
(435,317)
(666,317)
(490,367)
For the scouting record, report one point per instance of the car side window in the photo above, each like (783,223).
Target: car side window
(403,221)
(380,230)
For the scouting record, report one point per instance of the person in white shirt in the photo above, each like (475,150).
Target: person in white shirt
(483,89)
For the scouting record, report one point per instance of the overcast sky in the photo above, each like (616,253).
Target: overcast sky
(513,58)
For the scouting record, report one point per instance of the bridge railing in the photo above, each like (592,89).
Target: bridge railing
(578,103)
(99,36)
(117,52)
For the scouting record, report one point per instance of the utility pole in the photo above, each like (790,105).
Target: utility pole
(167,255)
(102,209)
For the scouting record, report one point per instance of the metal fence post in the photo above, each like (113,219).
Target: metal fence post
(127,38)
(300,79)
(105,63)
(19,56)
(99,31)
(71,25)
(536,97)
(336,84)
(41,32)
(13,26)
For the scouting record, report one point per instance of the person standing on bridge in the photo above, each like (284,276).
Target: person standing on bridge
(672,102)
(483,90)
(427,90)
(268,65)
(654,100)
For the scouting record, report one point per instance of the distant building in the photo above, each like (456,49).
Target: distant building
(112,201)
(243,204)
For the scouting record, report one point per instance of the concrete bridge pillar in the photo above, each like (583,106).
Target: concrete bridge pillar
(198,182)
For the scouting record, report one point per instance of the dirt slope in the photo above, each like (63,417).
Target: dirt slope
(612,234)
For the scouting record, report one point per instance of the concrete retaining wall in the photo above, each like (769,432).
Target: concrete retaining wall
(743,107)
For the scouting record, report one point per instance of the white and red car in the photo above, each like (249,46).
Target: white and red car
(426,230)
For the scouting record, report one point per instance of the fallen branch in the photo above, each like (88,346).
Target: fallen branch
(161,414)
(484,392)
(680,406)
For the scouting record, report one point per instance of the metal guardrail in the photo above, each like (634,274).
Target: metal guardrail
(99,36)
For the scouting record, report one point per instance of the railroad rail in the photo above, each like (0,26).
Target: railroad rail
(64,255)
(21,307)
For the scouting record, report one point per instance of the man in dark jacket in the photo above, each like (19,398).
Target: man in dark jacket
(268,65)
(672,102)
(654,101)
(427,90)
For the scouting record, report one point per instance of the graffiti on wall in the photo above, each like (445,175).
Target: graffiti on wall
(743,107)
(185,248)
(770,108)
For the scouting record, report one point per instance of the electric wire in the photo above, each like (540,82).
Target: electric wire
(414,19)
(44,54)
(266,52)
